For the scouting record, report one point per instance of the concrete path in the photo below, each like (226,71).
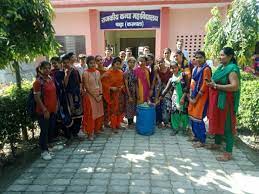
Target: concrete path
(130,163)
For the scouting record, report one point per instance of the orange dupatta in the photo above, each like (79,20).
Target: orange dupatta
(113,78)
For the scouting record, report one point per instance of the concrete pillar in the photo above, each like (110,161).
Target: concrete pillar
(93,29)
(162,34)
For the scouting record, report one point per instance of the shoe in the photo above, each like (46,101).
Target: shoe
(58,147)
(173,133)
(68,142)
(78,138)
(46,155)
(51,154)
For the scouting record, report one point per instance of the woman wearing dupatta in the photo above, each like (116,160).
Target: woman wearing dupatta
(130,81)
(113,92)
(224,101)
(92,100)
(72,86)
(142,74)
(179,115)
(183,63)
(99,64)
(198,100)
(102,70)
(164,73)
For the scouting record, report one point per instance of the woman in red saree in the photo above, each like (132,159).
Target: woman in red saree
(113,92)
(92,100)
(224,96)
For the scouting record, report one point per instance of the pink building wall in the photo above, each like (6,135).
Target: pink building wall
(73,23)
(173,22)
(189,22)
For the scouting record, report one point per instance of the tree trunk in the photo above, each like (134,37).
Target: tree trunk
(16,67)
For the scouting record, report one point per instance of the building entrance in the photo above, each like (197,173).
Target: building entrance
(136,39)
(137,45)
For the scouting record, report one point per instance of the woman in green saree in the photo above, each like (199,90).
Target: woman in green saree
(224,95)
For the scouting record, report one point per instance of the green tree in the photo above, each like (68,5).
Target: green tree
(214,39)
(26,32)
(239,31)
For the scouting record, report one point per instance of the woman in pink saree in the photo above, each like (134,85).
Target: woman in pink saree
(142,74)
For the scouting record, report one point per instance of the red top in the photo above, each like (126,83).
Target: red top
(49,95)
(165,76)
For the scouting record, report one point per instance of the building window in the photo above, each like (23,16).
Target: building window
(75,44)
(192,42)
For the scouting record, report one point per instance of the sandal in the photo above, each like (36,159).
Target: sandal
(192,139)
(90,138)
(198,145)
(99,132)
(107,126)
(130,126)
(225,157)
(212,146)
(173,133)
(115,131)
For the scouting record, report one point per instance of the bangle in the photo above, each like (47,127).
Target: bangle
(215,86)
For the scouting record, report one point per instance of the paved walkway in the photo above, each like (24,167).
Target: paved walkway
(131,163)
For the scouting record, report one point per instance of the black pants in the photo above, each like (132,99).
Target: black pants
(76,126)
(74,129)
(130,121)
(47,129)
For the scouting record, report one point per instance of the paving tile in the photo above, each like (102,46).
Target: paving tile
(56,188)
(61,182)
(17,188)
(37,188)
(120,176)
(82,181)
(139,189)
(97,181)
(96,189)
(128,163)
(144,183)
(113,189)
(162,184)
(161,190)
(77,188)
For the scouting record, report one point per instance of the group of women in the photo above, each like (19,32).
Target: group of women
(184,92)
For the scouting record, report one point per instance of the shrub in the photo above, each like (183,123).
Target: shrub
(13,117)
(249,104)
(247,76)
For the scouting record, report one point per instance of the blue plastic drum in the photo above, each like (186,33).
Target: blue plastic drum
(146,119)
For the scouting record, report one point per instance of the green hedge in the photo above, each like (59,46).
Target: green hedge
(248,116)
(13,117)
